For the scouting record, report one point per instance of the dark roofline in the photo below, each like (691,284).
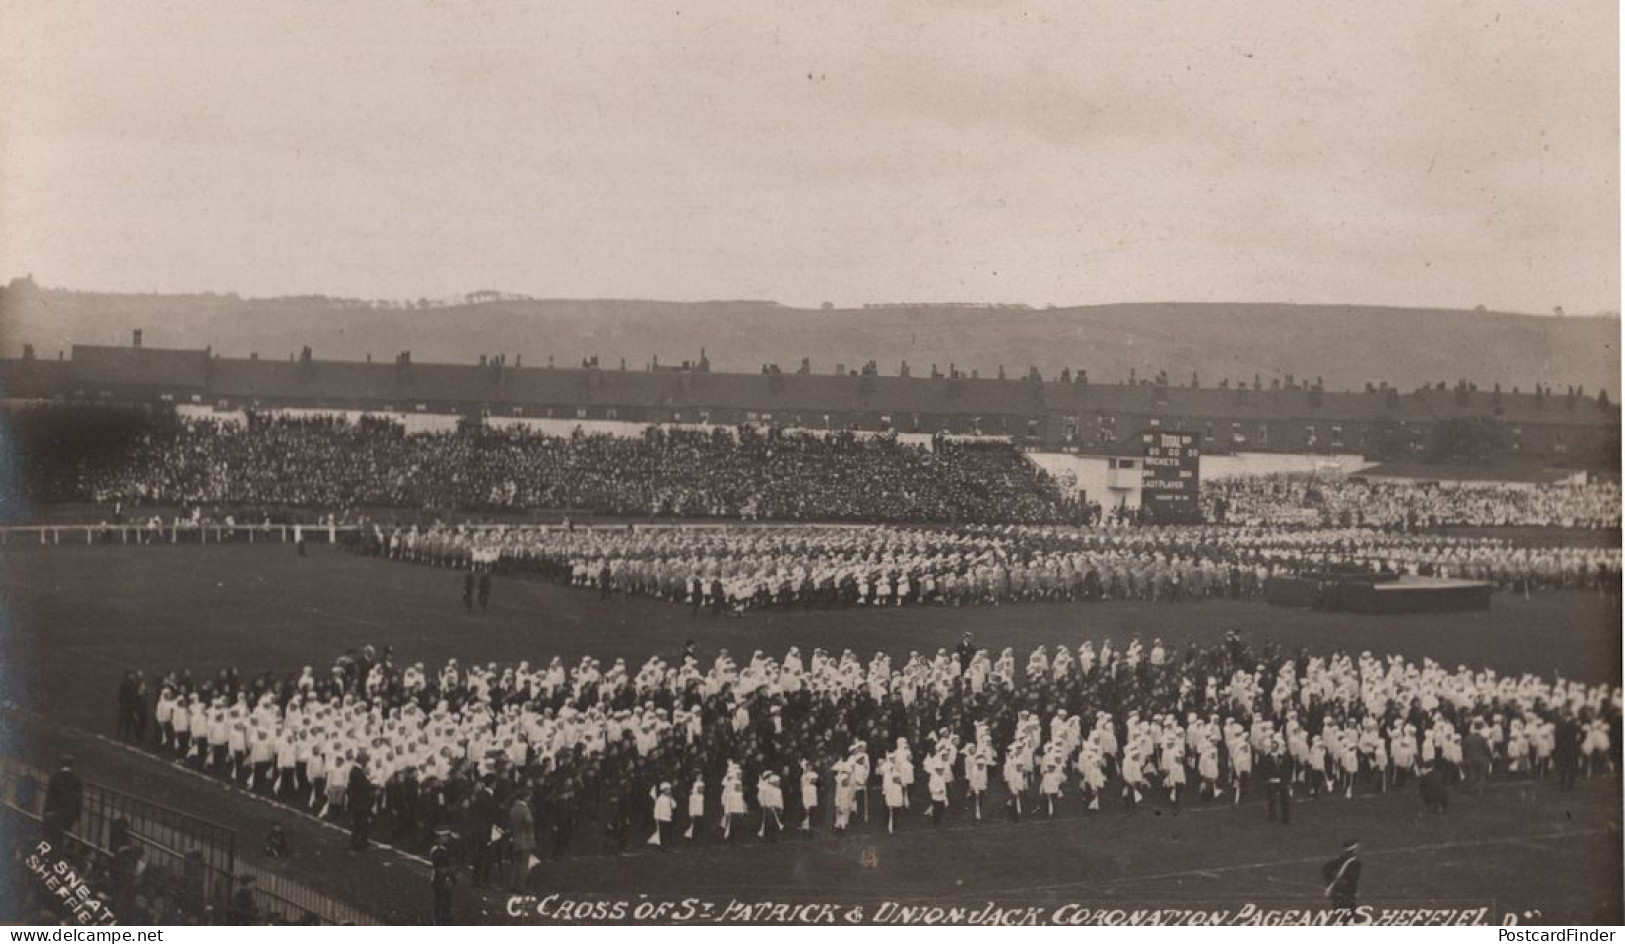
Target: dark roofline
(277,379)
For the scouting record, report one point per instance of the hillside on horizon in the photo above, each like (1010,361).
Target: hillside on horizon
(1347,345)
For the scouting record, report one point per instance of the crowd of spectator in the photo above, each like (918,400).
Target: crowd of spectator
(805,566)
(1319,501)
(270,463)
(743,473)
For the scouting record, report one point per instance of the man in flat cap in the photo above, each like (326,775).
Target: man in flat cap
(443,877)
(64,797)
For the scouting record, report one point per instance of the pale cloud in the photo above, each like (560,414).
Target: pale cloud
(1386,152)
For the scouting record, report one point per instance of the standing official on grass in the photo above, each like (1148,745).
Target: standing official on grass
(522,827)
(359,797)
(443,877)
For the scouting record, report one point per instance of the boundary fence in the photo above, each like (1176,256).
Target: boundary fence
(184,533)
(212,533)
(201,853)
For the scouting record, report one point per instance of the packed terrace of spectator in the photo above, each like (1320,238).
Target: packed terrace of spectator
(332,464)
(1343,502)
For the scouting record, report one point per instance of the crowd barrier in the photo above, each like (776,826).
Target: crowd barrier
(211,533)
(202,855)
(183,533)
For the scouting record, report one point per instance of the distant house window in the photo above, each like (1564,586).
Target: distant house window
(1032,429)
(422,407)
(1309,436)
(885,422)
(167,397)
(976,425)
(196,398)
(1264,433)
(518,411)
(612,413)
(1156,421)
(705,416)
(1337,437)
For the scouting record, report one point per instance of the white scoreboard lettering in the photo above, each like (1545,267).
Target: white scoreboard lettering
(1171,481)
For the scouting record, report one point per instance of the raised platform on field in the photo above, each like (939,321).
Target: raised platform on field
(1377,593)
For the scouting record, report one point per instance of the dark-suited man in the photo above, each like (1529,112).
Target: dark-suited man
(1566,751)
(965,652)
(359,798)
(484,819)
(1272,770)
(443,877)
(64,797)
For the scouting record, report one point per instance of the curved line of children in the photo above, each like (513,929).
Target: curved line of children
(728,749)
(730,570)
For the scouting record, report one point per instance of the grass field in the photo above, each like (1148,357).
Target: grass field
(76,617)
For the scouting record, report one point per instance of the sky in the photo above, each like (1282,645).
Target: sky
(1441,153)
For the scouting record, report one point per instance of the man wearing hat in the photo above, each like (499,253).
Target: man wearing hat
(359,798)
(242,901)
(64,797)
(965,652)
(1342,878)
(1272,769)
(443,877)
(522,831)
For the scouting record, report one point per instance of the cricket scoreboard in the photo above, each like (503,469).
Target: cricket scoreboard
(1168,489)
